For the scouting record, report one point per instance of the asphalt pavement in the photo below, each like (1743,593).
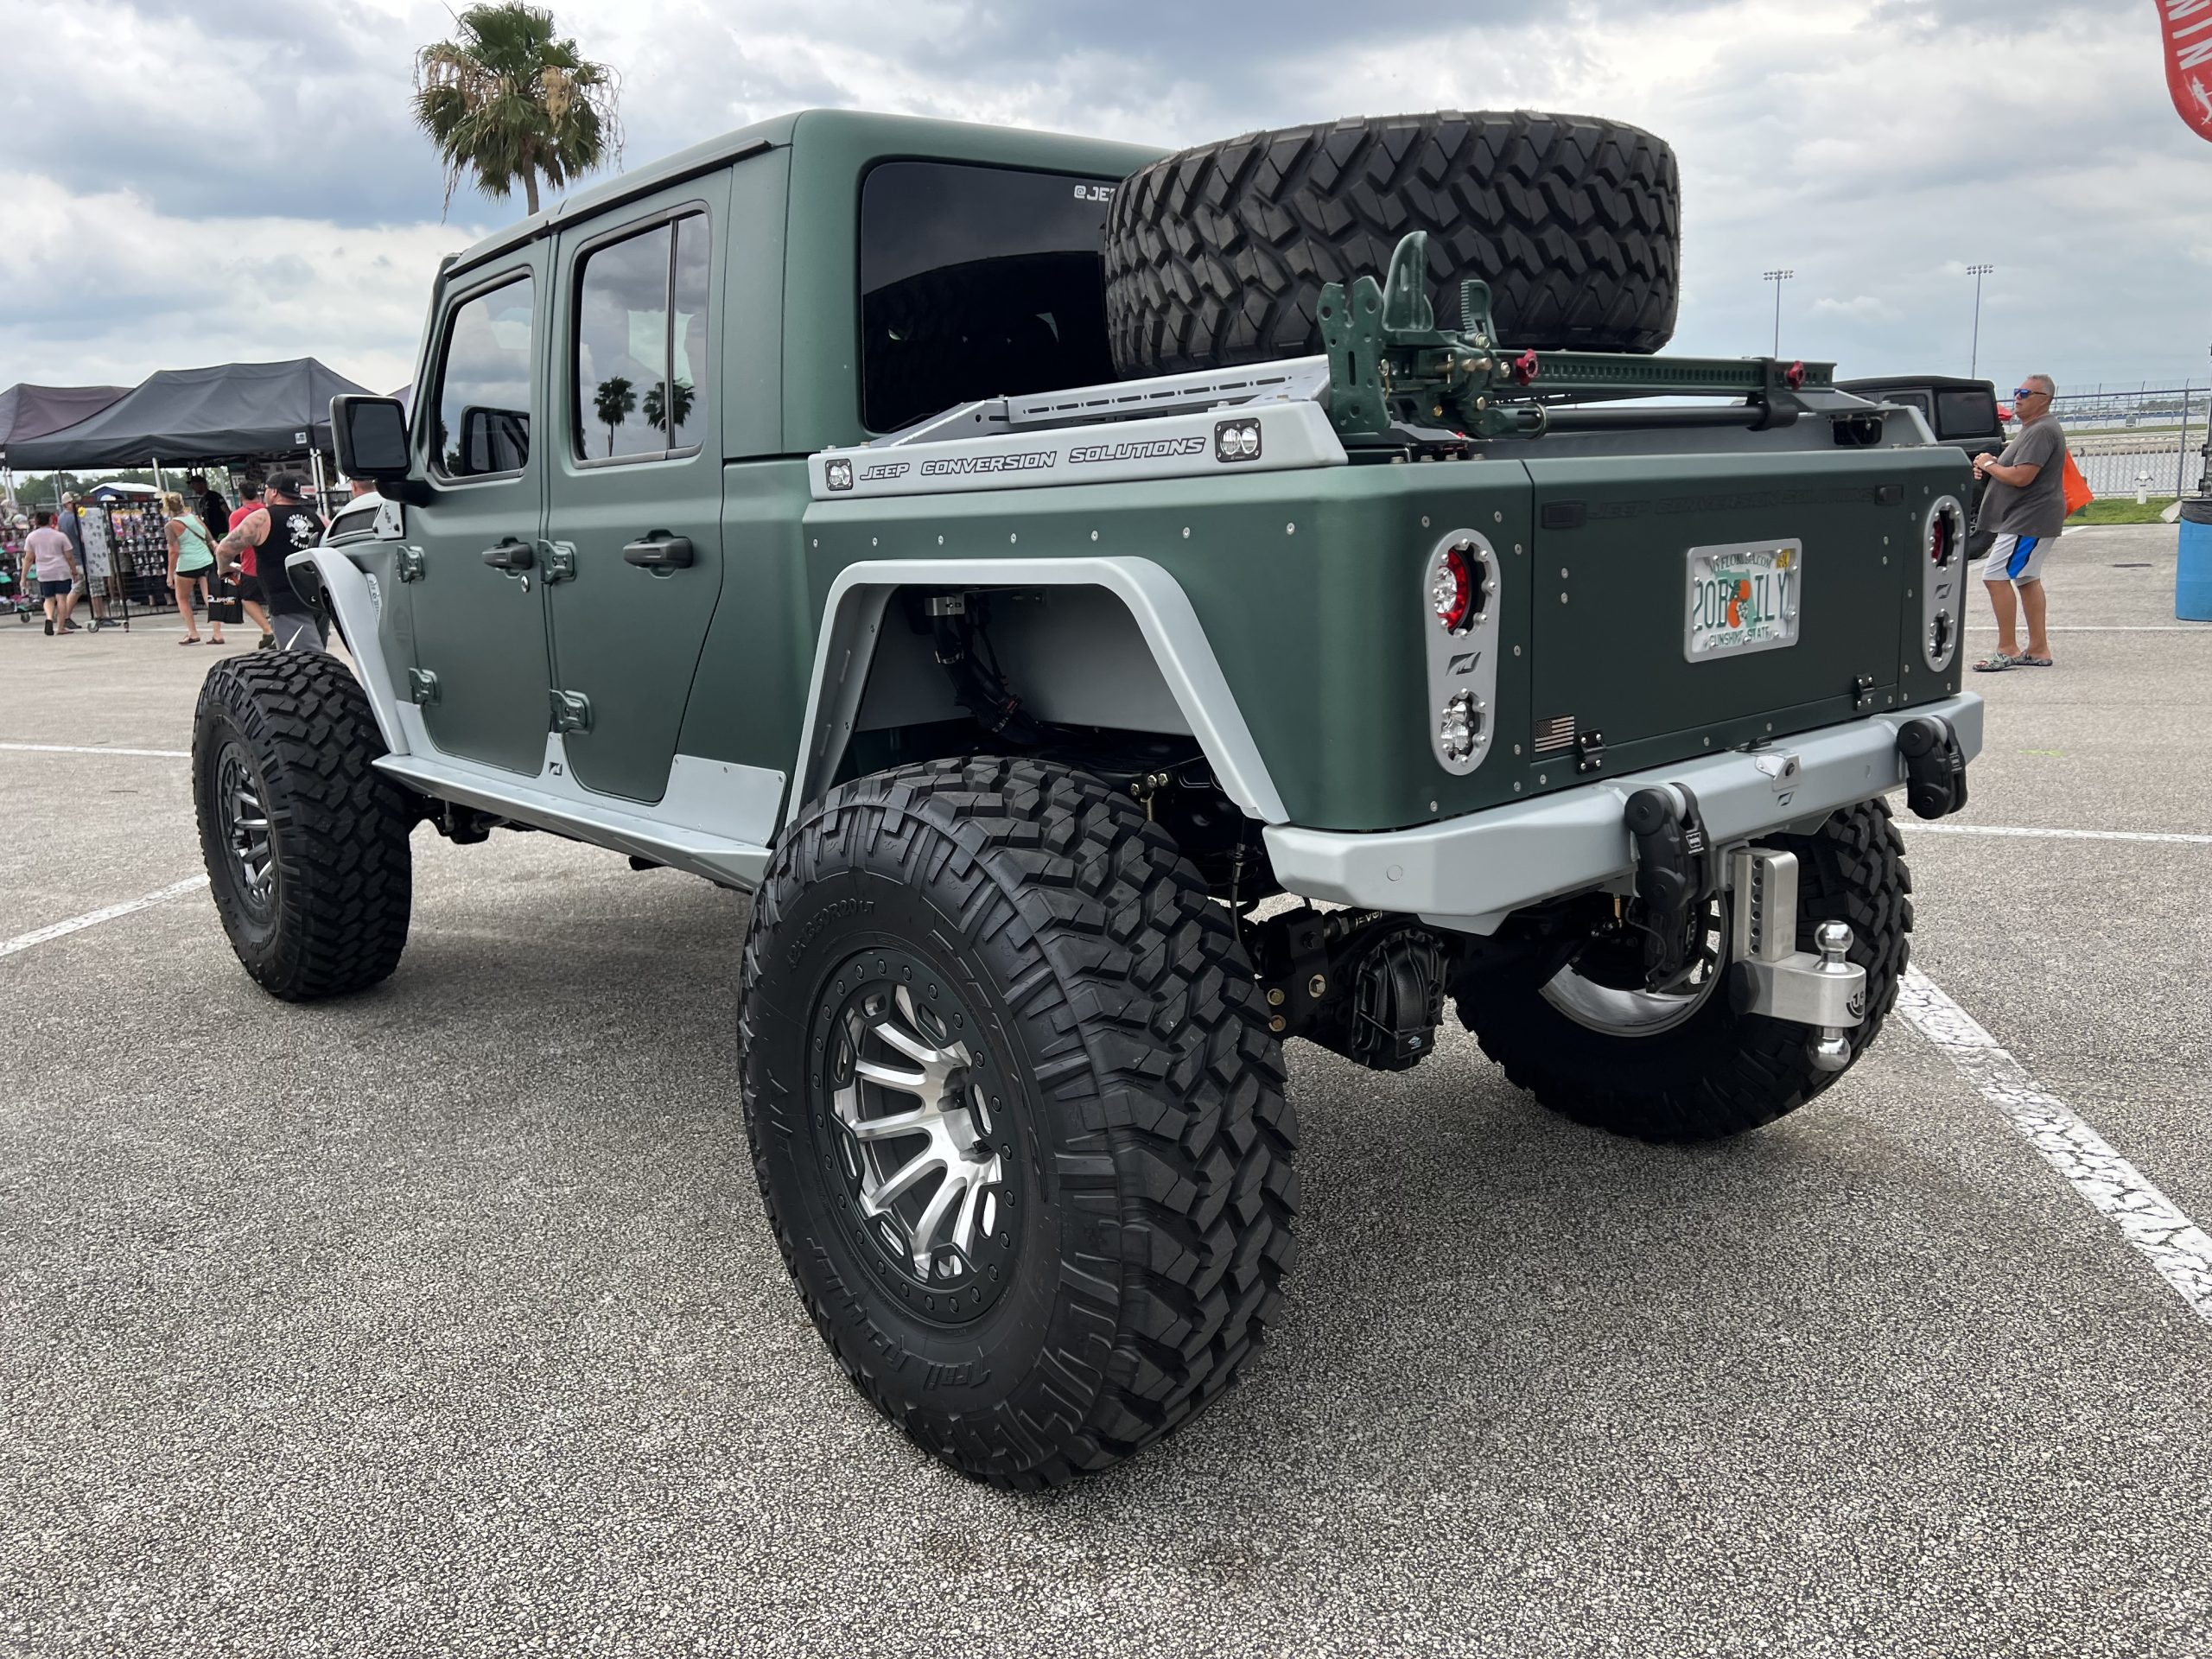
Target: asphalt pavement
(443,1320)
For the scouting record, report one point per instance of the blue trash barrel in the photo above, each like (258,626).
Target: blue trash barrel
(2193,573)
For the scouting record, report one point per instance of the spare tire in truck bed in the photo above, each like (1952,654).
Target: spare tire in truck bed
(1216,255)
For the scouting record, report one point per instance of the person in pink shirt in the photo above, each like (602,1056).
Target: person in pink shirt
(55,562)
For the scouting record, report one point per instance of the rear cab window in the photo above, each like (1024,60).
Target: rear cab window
(1971,413)
(977,281)
(480,424)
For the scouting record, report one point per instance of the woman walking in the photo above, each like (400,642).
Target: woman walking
(192,564)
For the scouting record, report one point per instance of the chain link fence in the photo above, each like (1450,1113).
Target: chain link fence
(2146,440)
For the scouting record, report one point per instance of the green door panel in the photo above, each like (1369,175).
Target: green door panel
(629,461)
(481,630)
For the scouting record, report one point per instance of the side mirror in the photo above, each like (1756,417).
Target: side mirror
(370,435)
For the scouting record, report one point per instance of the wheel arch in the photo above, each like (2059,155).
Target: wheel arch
(1167,643)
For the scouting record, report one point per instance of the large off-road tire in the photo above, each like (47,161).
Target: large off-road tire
(305,839)
(1217,255)
(1713,1072)
(1099,1082)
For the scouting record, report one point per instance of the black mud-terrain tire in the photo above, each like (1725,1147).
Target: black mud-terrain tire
(1720,1073)
(1216,255)
(1137,1090)
(333,918)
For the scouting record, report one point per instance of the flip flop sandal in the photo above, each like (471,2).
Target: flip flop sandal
(1996,663)
(2026,661)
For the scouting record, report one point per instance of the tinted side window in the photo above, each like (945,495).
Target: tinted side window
(1911,400)
(1967,414)
(483,404)
(641,343)
(977,281)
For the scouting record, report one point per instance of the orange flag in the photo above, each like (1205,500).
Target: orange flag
(2188,25)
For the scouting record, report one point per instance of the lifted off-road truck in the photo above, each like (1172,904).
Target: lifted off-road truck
(1116,613)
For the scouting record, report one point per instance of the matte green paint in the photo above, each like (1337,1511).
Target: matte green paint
(1309,585)
(481,630)
(628,638)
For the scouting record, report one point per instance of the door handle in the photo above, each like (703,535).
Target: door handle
(510,556)
(659,553)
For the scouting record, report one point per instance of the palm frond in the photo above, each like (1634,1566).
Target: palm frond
(507,101)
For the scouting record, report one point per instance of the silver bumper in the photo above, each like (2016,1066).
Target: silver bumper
(1468,873)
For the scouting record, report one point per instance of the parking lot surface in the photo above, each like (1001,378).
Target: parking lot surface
(443,1320)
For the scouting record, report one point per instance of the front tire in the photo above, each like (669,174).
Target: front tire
(1701,1070)
(998,976)
(305,841)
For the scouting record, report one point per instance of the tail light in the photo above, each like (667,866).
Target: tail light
(1460,586)
(1945,532)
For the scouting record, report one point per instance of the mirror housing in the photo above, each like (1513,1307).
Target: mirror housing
(370,435)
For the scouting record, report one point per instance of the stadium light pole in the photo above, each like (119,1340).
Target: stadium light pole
(1778,277)
(1977,272)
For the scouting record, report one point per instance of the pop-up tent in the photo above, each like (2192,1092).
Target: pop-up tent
(28,412)
(233,411)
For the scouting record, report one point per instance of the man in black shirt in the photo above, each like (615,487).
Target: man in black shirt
(283,525)
(213,511)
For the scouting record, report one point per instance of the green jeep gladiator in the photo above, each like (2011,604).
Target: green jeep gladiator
(1115,613)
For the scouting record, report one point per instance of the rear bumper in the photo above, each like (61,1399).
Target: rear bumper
(1469,872)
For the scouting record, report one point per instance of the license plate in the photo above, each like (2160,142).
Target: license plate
(1744,597)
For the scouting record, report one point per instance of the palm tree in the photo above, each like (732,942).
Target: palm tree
(507,101)
(612,402)
(668,413)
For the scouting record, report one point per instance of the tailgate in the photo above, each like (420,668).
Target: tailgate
(1798,569)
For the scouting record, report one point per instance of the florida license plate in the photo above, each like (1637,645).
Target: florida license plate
(1744,597)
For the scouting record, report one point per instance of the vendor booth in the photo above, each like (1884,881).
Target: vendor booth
(230,415)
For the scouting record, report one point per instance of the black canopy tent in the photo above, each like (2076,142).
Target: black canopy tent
(232,411)
(28,411)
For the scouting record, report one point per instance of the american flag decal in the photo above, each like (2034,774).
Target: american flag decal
(1555,734)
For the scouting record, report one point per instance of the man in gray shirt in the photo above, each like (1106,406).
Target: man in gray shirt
(2025,509)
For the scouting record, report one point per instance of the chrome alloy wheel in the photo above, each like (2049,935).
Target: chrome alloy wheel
(246,829)
(916,1130)
(1631,1012)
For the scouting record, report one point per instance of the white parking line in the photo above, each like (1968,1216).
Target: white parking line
(94,918)
(2173,837)
(2146,1218)
(76,749)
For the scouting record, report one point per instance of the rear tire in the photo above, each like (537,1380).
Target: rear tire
(305,841)
(1099,1074)
(1216,255)
(1714,1072)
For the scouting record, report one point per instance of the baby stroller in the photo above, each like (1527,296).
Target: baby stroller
(18,595)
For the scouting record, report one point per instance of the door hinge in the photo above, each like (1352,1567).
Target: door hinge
(571,711)
(408,562)
(556,561)
(422,685)
(1589,751)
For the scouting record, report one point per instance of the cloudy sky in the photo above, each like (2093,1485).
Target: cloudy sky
(186,183)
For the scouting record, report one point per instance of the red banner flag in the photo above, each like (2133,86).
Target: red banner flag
(2188,25)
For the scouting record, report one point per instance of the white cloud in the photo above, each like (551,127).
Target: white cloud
(241,180)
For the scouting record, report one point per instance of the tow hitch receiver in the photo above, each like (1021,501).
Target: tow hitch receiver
(1822,989)
(1934,766)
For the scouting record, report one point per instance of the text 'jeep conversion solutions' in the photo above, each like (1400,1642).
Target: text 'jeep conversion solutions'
(1019,562)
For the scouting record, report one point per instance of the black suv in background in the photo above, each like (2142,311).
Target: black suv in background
(1958,411)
